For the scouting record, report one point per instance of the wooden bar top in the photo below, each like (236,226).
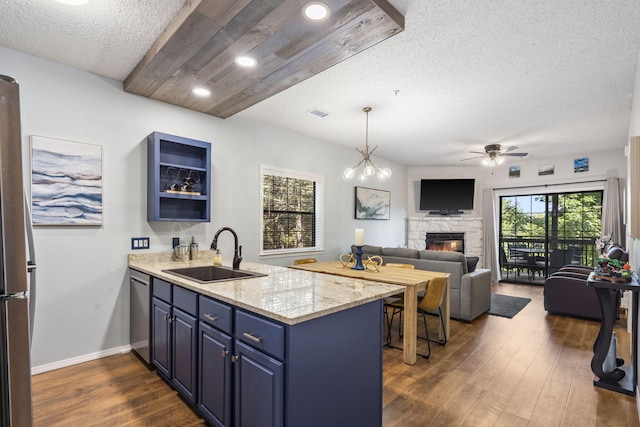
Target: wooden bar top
(394,275)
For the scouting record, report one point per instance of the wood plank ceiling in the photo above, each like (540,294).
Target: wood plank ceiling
(200,45)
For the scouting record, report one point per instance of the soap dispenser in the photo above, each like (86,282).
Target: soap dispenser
(217,258)
(193,250)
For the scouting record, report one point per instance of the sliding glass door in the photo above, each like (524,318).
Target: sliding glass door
(539,233)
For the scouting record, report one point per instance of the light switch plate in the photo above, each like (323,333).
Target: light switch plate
(139,243)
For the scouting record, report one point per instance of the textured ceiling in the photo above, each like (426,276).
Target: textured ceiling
(552,77)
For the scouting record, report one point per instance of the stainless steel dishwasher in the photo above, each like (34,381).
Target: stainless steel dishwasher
(139,303)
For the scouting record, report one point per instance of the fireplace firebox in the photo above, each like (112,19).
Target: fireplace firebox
(453,242)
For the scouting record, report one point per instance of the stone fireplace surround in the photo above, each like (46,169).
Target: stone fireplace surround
(417,228)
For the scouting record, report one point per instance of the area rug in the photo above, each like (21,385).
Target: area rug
(507,306)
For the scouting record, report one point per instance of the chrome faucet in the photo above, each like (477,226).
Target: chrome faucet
(237,250)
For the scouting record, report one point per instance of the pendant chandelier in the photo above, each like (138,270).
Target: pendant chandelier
(369,167)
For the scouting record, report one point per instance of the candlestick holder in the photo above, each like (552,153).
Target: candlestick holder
(358,254)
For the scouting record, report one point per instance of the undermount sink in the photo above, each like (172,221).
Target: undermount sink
(211,273)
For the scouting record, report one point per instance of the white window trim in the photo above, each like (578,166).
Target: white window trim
(290,173)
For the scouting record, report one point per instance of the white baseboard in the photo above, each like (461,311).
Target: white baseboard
(79,359)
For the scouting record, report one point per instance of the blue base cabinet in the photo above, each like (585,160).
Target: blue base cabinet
(174,339)
(259,388)
(241,369)
(214,362)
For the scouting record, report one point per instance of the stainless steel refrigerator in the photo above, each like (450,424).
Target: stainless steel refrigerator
(17,275)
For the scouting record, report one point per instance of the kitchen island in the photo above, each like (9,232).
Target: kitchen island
(290,348)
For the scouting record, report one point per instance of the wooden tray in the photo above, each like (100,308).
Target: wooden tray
(613,279)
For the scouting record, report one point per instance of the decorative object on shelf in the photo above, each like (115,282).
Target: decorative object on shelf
(369,167)
(66,182)
(613,270)
(372,204)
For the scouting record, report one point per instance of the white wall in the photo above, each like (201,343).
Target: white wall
(83,294)
(604,164)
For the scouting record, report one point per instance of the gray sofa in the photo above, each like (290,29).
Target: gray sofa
(470,290)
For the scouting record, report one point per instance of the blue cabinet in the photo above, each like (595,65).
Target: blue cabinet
(185,352)
(259,388)
(161,336)
(214,363)
(254,371)
(174,346)
(178,178)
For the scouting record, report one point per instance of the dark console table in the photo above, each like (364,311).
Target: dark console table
(623,378)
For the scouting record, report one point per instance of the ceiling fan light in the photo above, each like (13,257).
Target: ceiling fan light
(500,160)
(485,161)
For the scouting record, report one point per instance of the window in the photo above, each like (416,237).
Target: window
(291,211)
(555,228)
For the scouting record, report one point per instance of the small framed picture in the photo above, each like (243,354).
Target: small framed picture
(545,170)
(514,171)
(372,204)
(581,165)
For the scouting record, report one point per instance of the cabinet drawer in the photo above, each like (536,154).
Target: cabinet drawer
(215,314)
(162,289)
(185,300)
(260,333)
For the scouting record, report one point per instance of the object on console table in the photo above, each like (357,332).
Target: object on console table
(621,379)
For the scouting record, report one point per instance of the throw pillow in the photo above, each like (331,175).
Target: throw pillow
(472,261)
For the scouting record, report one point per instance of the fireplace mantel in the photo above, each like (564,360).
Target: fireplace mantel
(417,227)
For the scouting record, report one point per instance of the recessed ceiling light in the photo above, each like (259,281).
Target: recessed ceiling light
(73,2)
(245,61)
(316,11)
(201,91)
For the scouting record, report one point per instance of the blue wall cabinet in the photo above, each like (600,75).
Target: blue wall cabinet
(178,178)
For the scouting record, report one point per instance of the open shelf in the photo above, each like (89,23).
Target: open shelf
(178,178)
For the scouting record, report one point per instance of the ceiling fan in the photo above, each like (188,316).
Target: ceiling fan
(494,154)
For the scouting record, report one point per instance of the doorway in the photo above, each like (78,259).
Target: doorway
(539,233)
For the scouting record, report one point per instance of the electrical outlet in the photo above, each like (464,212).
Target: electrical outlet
(139,243)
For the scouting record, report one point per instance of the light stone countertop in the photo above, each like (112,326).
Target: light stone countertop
(287,295)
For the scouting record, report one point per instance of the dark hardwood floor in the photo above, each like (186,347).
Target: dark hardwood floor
(531,370)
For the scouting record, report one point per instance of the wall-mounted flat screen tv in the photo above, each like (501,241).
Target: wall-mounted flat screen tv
(446,196)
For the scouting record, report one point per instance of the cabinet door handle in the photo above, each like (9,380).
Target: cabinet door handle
(224,353)
(211,317)
(234,358)
(252,337)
